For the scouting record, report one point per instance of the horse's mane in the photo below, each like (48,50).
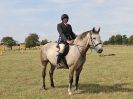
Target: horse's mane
(83,35)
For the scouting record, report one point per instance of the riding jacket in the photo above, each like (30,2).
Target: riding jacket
(65,33)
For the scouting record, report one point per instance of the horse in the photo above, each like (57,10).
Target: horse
(75,58)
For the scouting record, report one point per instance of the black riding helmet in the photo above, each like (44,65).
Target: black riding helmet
(64,16)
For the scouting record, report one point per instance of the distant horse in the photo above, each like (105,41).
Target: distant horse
(2,49)
(75,58)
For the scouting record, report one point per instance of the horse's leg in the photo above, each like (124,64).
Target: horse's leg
(71,72)
(51,75)
(77,77)
(44,65)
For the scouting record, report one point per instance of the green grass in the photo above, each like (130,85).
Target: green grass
(105,77)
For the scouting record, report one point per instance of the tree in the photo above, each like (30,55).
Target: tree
(124,39)
(130,39)
(106,42)
(43,42)
(9,41)
(112,40)
(32,40)
(118,39)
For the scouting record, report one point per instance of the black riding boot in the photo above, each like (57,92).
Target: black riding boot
(59,60)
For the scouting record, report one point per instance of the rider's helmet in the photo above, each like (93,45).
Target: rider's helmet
(64,16)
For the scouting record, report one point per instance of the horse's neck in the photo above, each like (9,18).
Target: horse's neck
(82,45)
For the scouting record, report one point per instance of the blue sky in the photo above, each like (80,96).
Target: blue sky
(18,18)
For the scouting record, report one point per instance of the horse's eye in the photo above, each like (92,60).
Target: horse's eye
(94,38)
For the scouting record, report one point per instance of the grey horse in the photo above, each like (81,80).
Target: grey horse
(75,58)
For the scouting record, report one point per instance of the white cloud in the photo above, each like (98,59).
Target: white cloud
(100,1)
(130,2)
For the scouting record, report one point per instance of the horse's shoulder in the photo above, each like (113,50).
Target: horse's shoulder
(74,47)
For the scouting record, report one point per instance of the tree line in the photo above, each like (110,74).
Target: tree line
(30,41)
(119,40)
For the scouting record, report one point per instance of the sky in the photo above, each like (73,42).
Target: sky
(19,18)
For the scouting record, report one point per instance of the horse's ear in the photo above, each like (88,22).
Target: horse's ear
(99,30)
(93,29)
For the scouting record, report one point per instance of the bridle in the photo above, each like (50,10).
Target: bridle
(94,45)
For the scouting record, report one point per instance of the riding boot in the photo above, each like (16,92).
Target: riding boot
(59,60)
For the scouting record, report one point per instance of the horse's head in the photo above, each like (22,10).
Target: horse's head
(90,38)
(95,40)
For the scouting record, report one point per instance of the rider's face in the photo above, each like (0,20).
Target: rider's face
(65,20)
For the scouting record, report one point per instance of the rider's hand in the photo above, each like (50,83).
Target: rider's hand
(70,42)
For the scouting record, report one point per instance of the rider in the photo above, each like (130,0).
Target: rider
(66,36)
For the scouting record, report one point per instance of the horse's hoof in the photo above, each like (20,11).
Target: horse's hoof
(43,88)
(52,86)
(70,93)
(77,92)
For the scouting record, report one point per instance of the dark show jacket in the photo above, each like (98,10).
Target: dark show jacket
(65,32)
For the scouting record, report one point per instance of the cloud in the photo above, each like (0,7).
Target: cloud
(130,2)
(100,1)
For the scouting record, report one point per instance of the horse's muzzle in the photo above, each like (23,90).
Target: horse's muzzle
(100,50)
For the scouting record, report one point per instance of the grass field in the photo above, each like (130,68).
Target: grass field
(105,77)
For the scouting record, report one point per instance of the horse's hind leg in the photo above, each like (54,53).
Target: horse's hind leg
(44,65)
(51,75)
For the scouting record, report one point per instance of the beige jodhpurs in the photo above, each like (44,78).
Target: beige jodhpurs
(62,47)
